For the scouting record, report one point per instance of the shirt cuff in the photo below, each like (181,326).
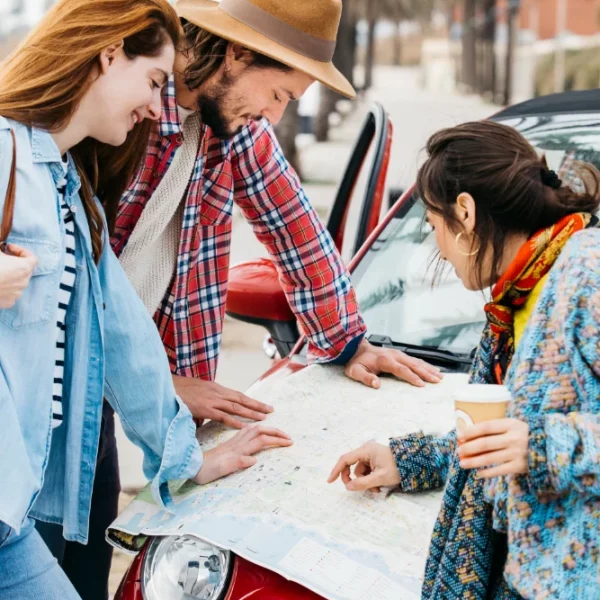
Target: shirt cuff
(417,469)
(348,352)
(182,458)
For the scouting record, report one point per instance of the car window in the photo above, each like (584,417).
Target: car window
(397,295)
(563,139)
(395,280)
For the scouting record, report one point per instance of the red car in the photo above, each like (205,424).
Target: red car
(440,324)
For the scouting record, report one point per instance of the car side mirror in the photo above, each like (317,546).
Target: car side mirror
(255,296)
(394,195)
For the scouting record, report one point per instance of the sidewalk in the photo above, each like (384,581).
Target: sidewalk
(415,114)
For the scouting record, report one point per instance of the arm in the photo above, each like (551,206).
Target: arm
(564,445)
(316,282)
(413,463)
(139,386)
(16,264)
(564,454)
(312,274)
(423,461)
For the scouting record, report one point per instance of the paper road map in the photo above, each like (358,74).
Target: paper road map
(283,515)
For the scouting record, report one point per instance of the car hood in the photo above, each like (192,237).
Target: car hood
(283,515)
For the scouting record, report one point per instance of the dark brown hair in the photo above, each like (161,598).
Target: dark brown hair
(44,80)
(508,181)
(209,51)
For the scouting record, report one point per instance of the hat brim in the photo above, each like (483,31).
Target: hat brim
(207,15)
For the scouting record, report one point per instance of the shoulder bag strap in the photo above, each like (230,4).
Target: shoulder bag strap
(9,203)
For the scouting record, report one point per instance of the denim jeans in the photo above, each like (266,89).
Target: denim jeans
(28,571)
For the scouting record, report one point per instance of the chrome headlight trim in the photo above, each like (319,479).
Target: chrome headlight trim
(185,568)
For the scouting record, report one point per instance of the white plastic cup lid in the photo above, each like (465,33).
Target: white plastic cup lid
(478,392)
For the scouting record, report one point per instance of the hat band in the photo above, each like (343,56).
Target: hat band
(279,31)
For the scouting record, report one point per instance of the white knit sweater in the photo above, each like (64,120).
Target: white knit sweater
(150,256)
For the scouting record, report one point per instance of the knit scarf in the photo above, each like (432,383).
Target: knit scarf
(533,261)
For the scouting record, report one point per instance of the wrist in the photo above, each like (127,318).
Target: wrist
(351,350)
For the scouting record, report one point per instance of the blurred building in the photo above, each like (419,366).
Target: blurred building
(512,50)
(548,19)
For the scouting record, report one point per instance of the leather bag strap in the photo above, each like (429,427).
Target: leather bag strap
(9,202)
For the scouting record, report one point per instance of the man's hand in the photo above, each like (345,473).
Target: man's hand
(502,445)
(209,400)
(369,361)
(16,269)
(237,453)
(375,467)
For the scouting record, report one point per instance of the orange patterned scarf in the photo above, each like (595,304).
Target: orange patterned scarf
(532,263)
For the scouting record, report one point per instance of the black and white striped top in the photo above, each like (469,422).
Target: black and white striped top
(67,283)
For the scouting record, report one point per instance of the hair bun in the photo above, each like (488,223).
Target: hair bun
(551,179)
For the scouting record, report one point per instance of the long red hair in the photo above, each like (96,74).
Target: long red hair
(43,81)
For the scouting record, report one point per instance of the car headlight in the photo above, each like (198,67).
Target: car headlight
(185,568)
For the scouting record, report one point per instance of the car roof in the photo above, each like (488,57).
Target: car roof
(567,102)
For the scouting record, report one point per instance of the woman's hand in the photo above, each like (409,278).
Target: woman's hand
(375,468)
(237,453)
(16,269)
(503,443)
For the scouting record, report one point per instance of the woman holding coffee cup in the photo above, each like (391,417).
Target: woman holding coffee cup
(521,507)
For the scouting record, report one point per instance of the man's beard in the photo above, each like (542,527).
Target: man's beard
(211,113)
(211,106)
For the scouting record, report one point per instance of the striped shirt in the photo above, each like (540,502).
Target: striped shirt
(67,283)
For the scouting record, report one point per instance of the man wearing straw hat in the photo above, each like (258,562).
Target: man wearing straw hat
(243,62)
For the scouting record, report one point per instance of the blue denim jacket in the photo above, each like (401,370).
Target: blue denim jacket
(113,350)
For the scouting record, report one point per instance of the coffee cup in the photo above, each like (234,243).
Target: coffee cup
(475,403)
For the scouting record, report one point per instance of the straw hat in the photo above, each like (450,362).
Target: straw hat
(298,33)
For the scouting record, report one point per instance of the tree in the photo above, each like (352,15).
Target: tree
(344,58)
(345,55)
(286,131)
(372,10)
(469,46)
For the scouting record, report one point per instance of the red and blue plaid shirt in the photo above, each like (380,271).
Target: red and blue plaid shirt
(251,171)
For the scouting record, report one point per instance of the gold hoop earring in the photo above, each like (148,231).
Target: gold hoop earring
(457,242)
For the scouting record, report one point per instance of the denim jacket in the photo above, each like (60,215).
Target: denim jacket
(113,350)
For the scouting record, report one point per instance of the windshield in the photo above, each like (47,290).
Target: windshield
(395,280)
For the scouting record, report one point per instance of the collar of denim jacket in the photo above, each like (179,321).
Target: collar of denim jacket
(43,147)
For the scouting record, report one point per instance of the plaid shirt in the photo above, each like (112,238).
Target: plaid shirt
(251,171)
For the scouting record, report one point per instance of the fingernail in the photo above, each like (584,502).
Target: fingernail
(270,408)
(375,383)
